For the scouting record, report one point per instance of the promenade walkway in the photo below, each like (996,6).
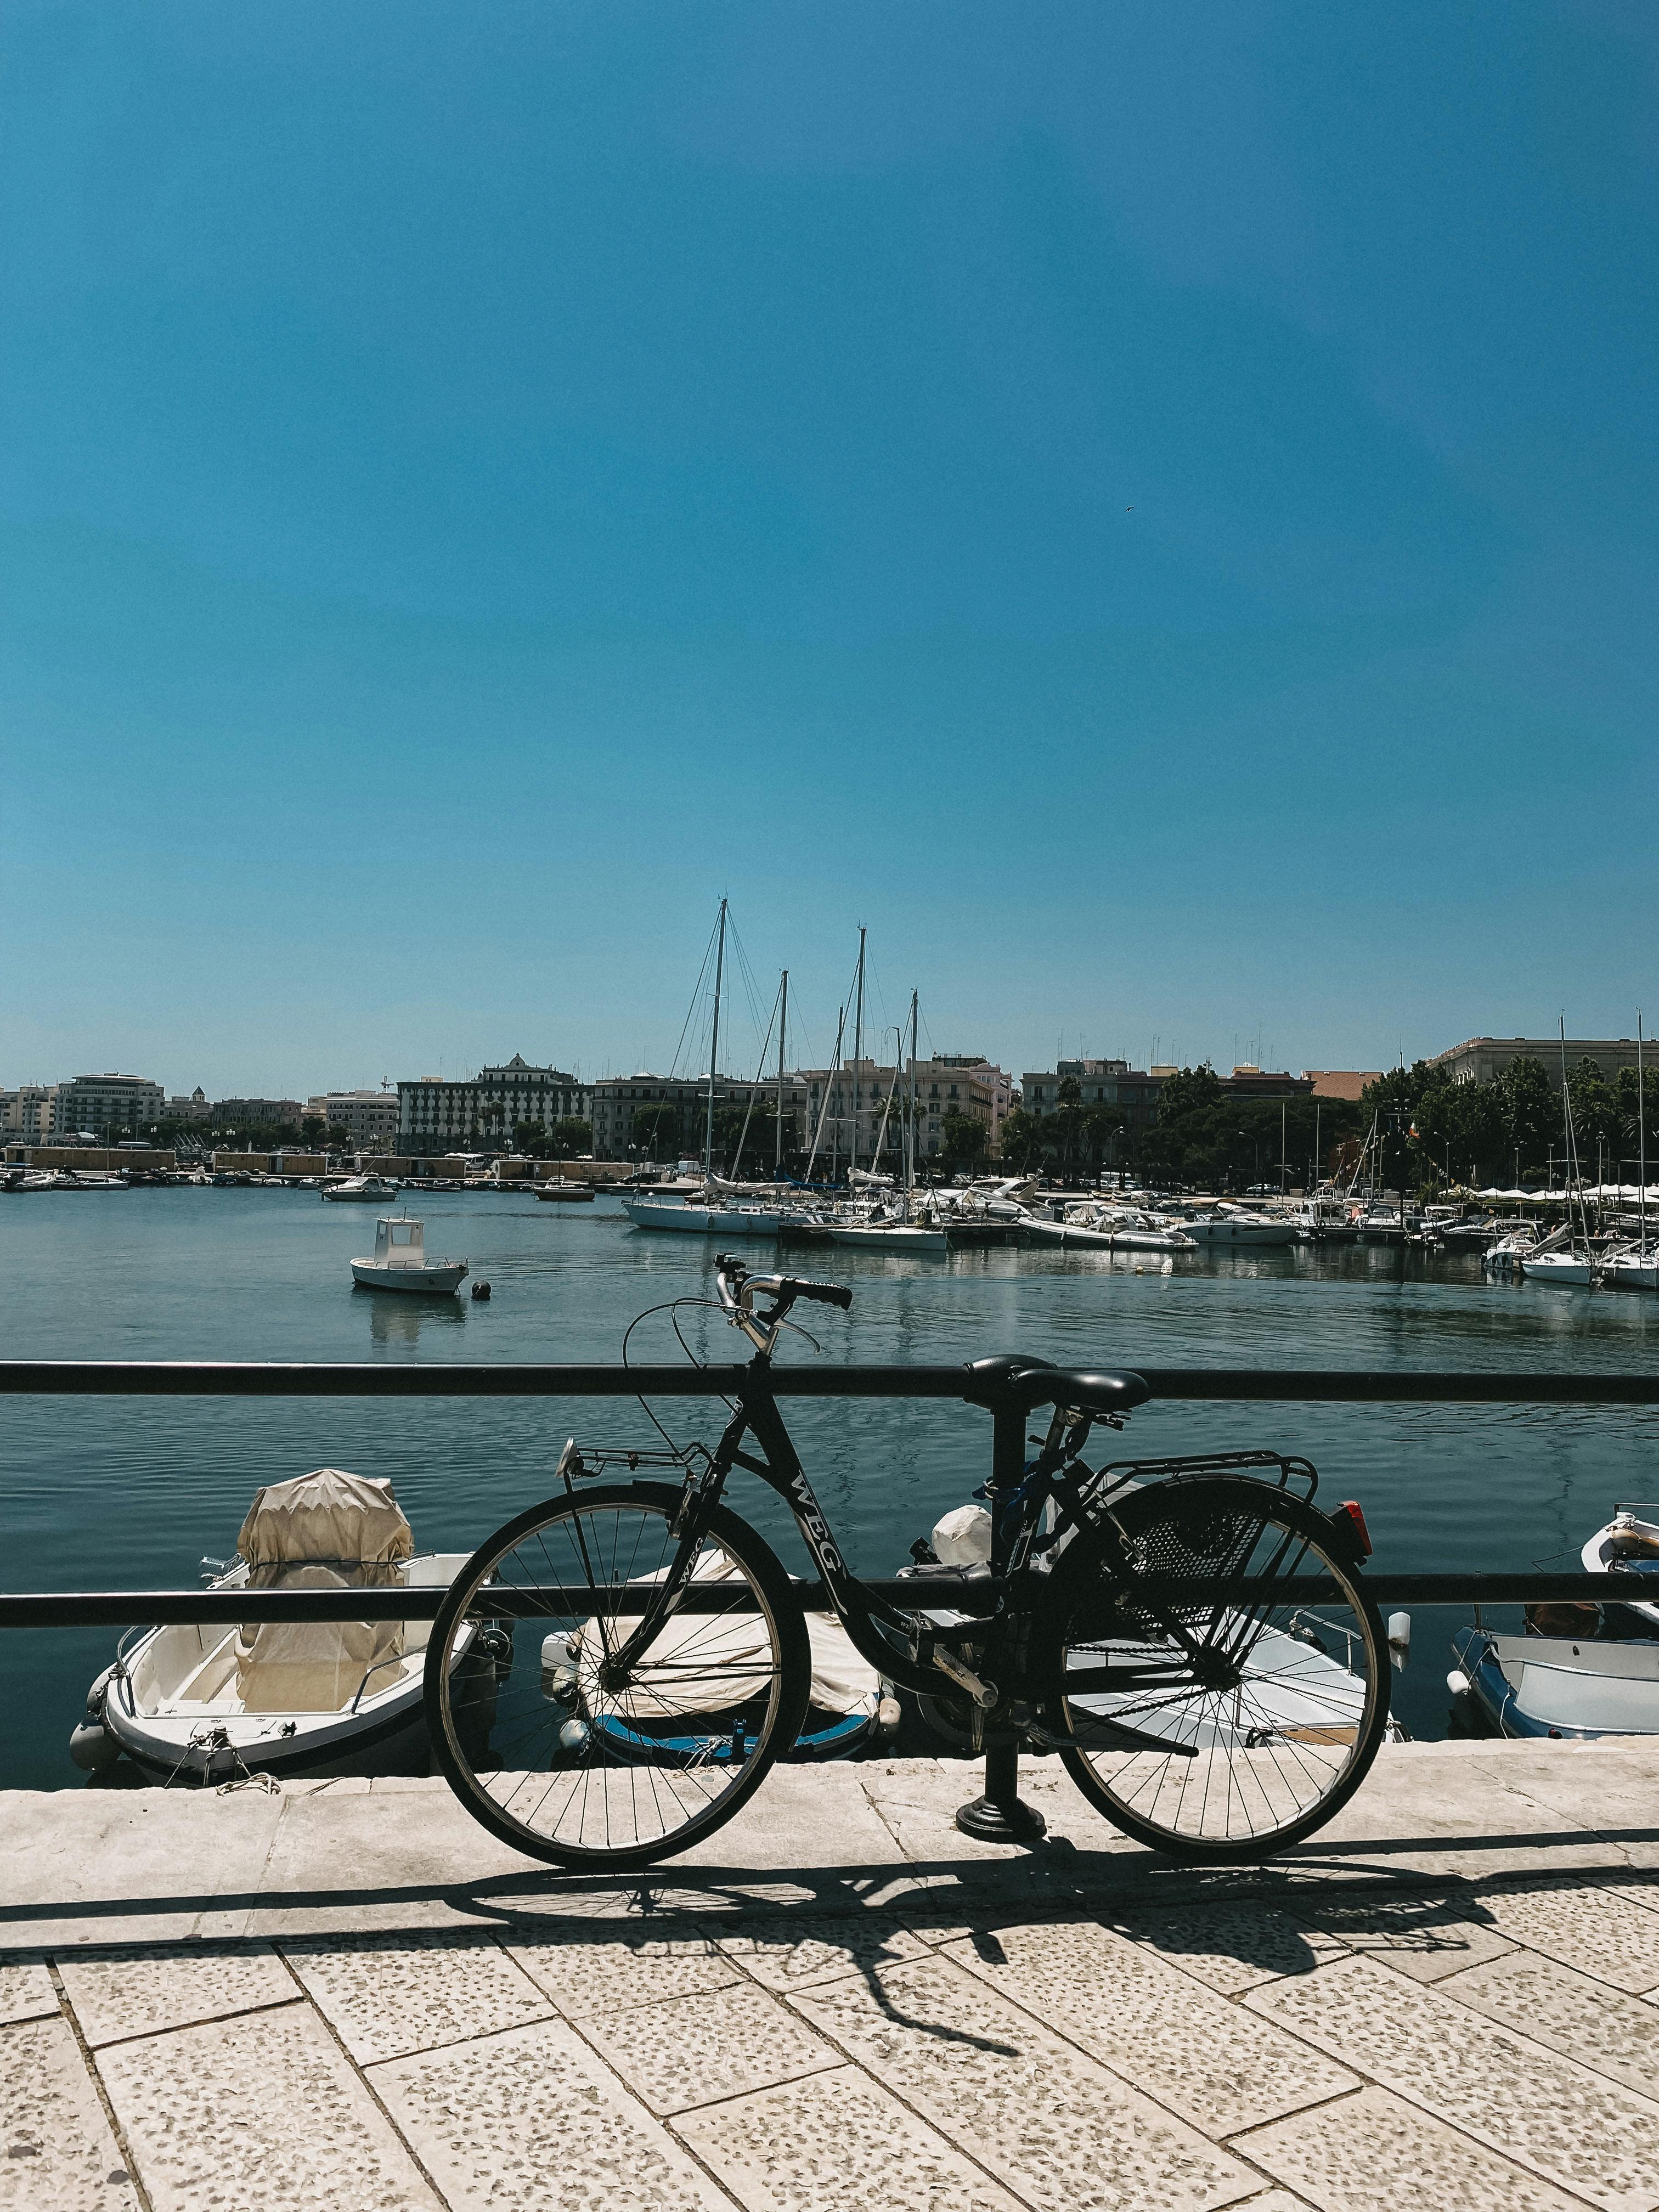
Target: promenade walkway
(347,1997)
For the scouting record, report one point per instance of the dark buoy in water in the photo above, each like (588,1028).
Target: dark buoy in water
(481,1289)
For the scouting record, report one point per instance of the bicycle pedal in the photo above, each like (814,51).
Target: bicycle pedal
(982,1691)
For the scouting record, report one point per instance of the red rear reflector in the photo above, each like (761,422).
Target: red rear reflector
(1349,1510)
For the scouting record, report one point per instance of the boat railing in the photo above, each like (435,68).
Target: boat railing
(1203,1385)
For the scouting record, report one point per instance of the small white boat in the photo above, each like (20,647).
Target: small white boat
(1582,1670)
(571,1194)
(1567,1267)
(706,1220)
(400,1262)
(1111,1228)
(715,1674)
(210,1703)
(1232,1225)
(1635,1268)
(897,1237)
(360,1190)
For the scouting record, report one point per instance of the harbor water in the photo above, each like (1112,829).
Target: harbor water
(102,1493)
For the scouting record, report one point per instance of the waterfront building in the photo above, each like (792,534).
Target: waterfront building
(257,1113)
(661,1117)
(1248,1081)
(850,1101)
(1132,1093)
(1348,1083)
(473,1112)
(370,1118)
(193,1108)
(106,1105)
(1483,1060)
(27,1114)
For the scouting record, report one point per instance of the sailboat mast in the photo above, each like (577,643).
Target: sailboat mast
(783,1023)
(858,1056)
(1641,1140)
(715,1050)
(911,1118)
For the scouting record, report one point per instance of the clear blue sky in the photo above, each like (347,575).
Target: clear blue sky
(1152,509)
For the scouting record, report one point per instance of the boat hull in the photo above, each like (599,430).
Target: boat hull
(1555,1686)
(899,1238)
(437,1279)
(702,1220)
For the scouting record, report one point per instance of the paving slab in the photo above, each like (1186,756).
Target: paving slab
(532,2121)
(260,2110)
(1375,2153)
(1050,2123)
(144,1989)
(26,1991)
(1229,1947)
(385,1996)
(1612,2034)
(58,2150)
(624,1966)
(1425,1936)
(1198,2055)
(837,2142)
(1566,2123)
(1596,1930)
(692,2051)
(795,1953)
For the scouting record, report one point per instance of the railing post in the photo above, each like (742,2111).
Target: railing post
(1000,1816)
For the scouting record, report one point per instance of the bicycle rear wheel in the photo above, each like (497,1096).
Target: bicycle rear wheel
(563,1753)
(1264,1716)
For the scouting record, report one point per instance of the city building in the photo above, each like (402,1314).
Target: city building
(671,1115)
(27,1114)
(106,1105)
(846,1107)
(1249,1082)
(1340,1082)
(370,1118)
(193,1108)
(479,1112)
(1132,1093)
(257,1113)
(1481,1059)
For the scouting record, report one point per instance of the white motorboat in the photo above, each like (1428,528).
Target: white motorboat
(1582,1670)
(702,1220)
(714,1675)
(1112,1228)
(570,1194)
(1573,1269)
(1232,1225)
(203,1703)
(898,1236)
(360,1190)
(400,1262)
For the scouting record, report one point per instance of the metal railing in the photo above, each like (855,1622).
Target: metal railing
(317,1379)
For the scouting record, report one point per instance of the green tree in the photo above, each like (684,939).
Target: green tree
(1023,1141)
(570,1138)
(655,1130)
(962,1140)
(1532,1110)
(1597,1123)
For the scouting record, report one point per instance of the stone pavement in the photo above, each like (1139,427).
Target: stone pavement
(348,1995)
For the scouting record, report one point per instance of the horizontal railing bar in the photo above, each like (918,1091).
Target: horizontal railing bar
(189,1378)
(155,1608)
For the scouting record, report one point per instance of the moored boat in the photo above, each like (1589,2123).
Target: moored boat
(360,1190)
(210,1702)
(399,1261)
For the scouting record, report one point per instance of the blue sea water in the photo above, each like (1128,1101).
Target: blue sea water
(126,1492)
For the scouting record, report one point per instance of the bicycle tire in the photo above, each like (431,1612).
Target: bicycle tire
(662,1725)
(1315,1722)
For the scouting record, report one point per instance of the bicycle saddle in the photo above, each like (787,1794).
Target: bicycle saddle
(1039,1383)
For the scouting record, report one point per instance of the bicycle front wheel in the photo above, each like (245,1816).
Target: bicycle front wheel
(560,1748)
(1254,1721)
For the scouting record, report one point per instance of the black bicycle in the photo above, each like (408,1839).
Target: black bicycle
(613,1672)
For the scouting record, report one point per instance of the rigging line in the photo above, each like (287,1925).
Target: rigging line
(766,1045)
(746,974)
(697,994)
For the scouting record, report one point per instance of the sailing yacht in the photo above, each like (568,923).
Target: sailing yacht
(713,1213)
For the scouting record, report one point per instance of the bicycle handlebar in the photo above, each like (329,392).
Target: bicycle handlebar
(824,1294)
(738,1290)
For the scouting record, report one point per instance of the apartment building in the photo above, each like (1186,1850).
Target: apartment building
(370,1118)
(106,1105)
(476,1112)
(27,1114)
(661,1117)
